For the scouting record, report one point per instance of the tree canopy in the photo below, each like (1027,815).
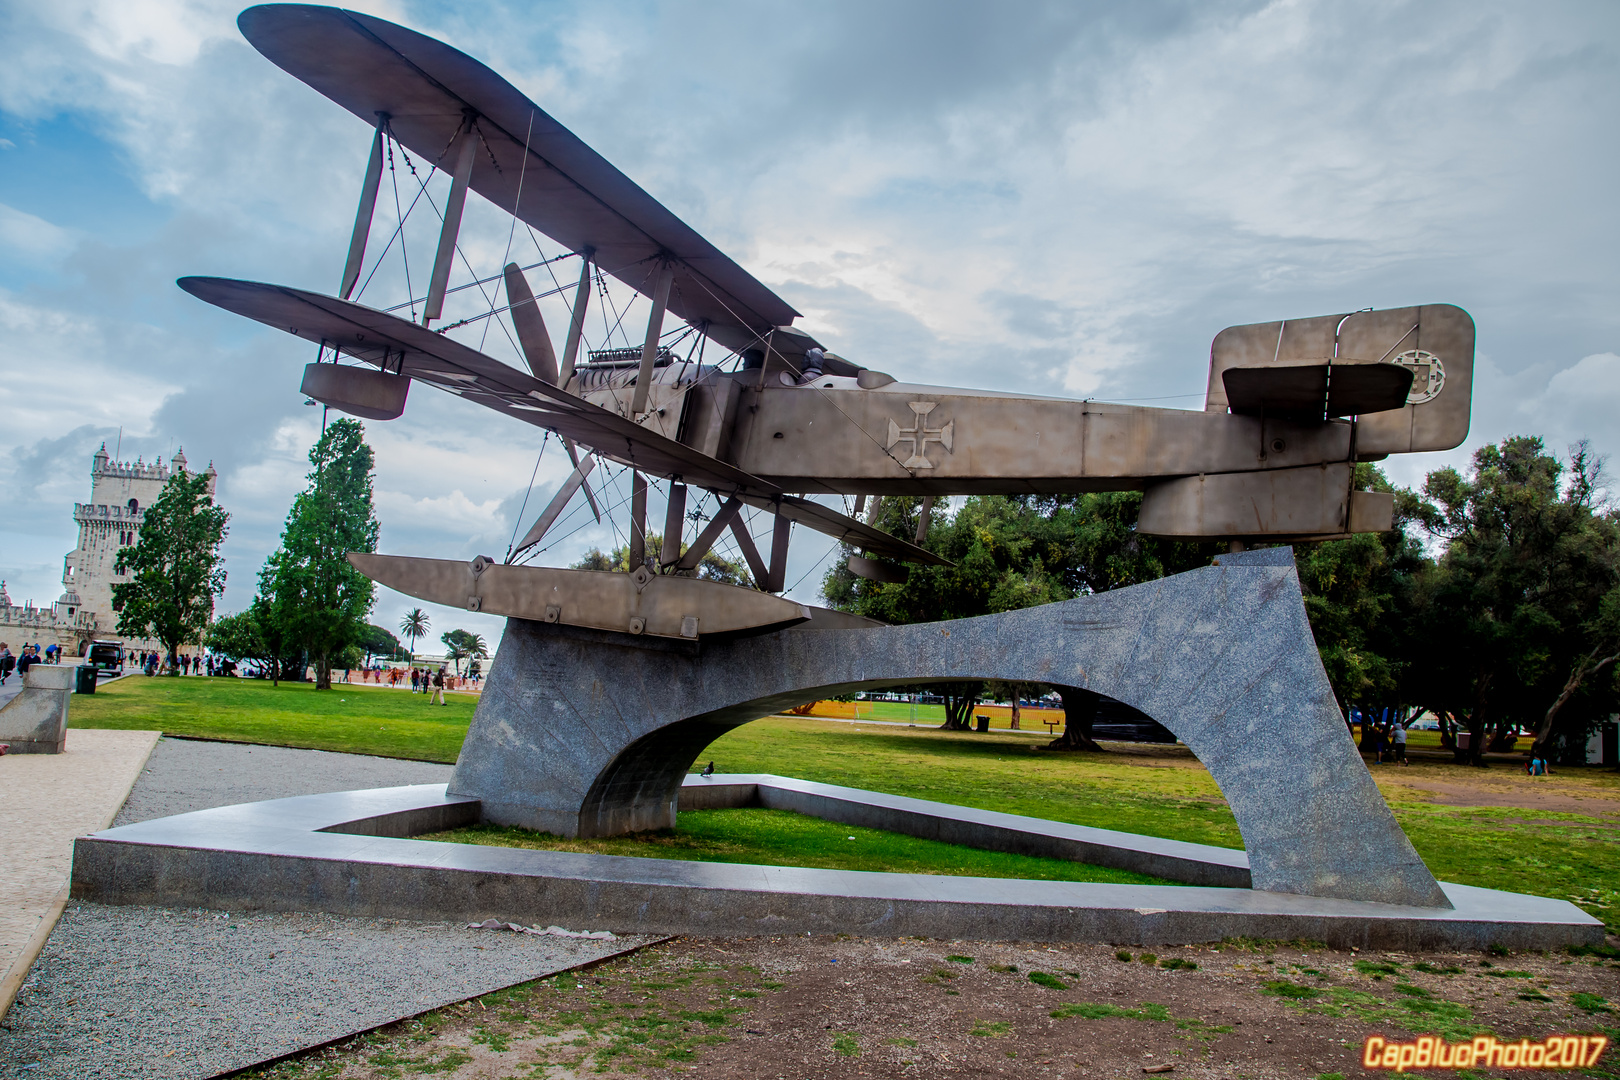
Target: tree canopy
(462,645)
(314,594)
(712,567)
(174,565)
(1522,602)
(1494,601)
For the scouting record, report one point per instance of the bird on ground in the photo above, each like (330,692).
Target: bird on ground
(708,770)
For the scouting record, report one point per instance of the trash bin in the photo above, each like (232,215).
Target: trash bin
(984,722)
(84,679)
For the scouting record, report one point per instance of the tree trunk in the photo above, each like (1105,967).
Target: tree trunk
(1014,724)
(1476,725)
(1079,714)
(323,672)
(959,702)
(1589,666)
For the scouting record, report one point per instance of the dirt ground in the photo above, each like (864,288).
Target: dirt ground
(794,1008)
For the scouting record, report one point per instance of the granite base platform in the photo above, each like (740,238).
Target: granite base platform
(350,853)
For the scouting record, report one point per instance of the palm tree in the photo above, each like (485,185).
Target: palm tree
(464,645)
(414,625)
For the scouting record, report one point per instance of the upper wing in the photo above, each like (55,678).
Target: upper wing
(564,188)
(394,344)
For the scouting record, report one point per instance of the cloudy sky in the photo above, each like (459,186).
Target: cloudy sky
(1056,198)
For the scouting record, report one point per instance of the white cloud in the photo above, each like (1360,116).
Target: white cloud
(1075,199)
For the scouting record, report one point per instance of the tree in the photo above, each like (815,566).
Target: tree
(464,645)
(237,637)
(281,651)
(1523,596)
(378,641)
(415,625)
(712,567)
(319,596)
(1359,595)
(174,565)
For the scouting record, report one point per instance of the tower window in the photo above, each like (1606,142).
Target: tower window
(134,506)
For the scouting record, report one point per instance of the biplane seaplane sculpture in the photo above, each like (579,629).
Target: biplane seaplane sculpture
(775,417)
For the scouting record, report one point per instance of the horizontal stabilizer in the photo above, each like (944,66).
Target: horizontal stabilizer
(1316,389)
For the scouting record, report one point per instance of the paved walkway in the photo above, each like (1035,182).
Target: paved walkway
(46,800)
(155,993)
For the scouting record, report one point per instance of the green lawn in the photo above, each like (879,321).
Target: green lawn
(783,838)
(351,719)
(1158,791)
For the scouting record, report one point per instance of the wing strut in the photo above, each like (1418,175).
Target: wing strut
(674,518)
(745,543)
(362,215)
(649,347)
(548,517)
(638,520)
(711,532)
(452,221)
(576,324)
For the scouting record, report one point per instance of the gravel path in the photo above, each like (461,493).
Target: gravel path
(153,992)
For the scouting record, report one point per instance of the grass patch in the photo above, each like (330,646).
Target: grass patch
(847,1045)
(784,838)
(1051,982)
(347,719)
(991,1029)
(1416,1010)
(1589,1003)
(1283,988)
(1089,1010)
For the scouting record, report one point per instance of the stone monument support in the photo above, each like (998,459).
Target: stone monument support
(35,721)
(587,733)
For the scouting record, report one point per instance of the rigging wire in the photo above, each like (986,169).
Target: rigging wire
(399,229)
(834,546)
(518,524)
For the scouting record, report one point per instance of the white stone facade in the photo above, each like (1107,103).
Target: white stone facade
(120,492)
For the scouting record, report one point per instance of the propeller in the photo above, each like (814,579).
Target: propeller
(530,326)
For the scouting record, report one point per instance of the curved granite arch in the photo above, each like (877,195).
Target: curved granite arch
(587,733)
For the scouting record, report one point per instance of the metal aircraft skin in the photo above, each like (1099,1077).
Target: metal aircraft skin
(1291,405)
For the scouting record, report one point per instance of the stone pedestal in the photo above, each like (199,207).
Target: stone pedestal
(35,721)
(587,733)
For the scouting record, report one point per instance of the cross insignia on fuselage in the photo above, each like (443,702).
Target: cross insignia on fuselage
(919,435)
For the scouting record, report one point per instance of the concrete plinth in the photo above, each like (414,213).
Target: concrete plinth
(345,853)
(35,721)
(585,733)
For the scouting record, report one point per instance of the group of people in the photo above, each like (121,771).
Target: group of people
(20,663)
(30,655)
(152,662)
(1388,741)
(425,682)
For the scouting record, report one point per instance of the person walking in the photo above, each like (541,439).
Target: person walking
(1399,735)
(416,679)
(7,662)
(438,688)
